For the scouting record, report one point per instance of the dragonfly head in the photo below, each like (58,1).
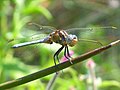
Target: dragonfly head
(72,40)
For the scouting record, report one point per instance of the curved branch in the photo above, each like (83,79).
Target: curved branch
(53,69)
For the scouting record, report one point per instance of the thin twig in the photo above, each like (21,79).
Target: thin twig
(52,81)
(53,69)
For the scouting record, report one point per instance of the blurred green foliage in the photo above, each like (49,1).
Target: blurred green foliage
(15,14)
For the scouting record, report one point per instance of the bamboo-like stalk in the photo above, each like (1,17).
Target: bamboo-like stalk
(56,68)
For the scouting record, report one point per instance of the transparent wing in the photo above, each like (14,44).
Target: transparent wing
(91,30)
(95,34)
(34,29)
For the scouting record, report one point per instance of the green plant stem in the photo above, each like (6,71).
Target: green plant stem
(53,69)
(52,81)
(93,77)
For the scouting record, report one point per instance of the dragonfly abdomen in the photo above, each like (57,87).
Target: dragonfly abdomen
(45,40)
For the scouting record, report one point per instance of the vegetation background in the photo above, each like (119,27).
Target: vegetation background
(61,14)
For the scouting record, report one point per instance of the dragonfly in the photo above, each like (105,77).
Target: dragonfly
(58,36)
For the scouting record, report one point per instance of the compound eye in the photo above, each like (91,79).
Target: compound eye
(75,38)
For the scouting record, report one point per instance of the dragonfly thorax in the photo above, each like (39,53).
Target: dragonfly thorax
(63,38)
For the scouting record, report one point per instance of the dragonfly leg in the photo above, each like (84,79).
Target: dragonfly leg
(67,54)
(56,55)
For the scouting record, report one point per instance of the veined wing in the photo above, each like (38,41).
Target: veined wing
(35,28)
(90,30)
(31,34)
(94,34)
(34,31)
